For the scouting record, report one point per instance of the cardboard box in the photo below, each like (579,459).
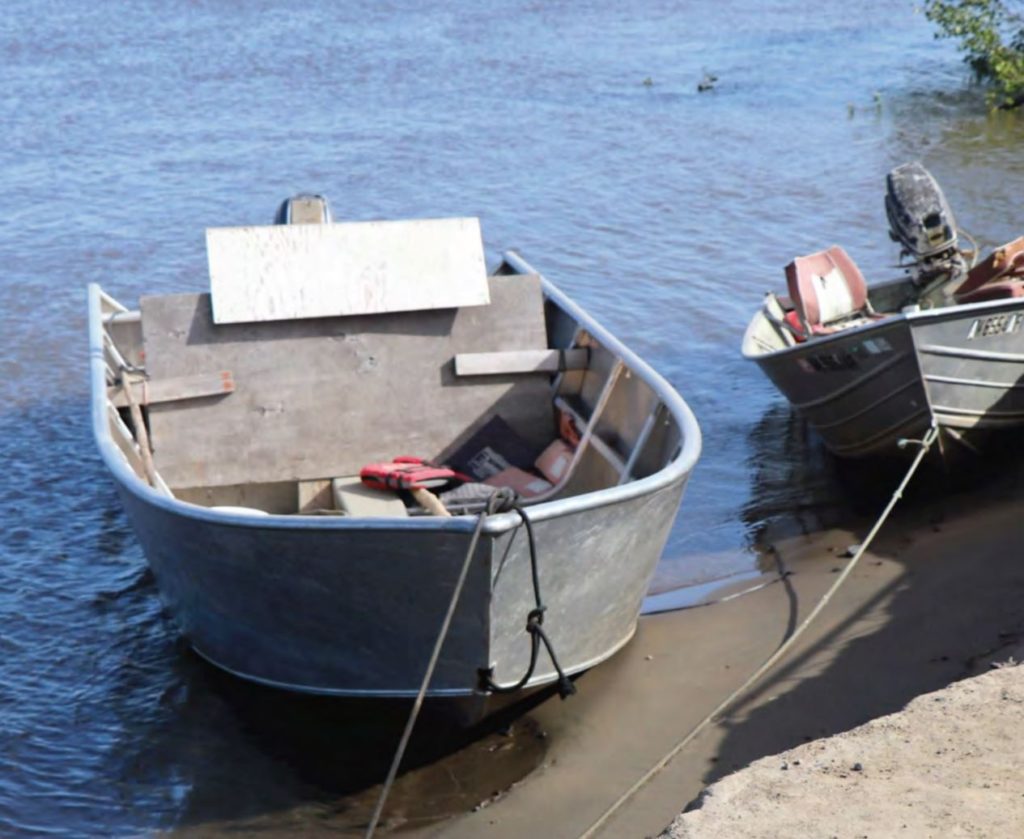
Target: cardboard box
(554,461)
(523,482)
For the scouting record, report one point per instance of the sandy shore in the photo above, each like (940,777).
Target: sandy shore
(949,764)
(942,587)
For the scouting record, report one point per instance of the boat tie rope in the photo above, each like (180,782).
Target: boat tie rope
(534,627)
(502,501)
(926,443)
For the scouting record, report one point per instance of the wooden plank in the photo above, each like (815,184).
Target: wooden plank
(315,495)
(354,498)
(174,389)
(278,498)
(325,397)
(284,272)
(141,433)
(520,361)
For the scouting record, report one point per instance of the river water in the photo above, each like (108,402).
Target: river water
(128,128)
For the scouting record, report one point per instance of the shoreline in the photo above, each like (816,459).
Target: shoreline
(947,763)
(940,589)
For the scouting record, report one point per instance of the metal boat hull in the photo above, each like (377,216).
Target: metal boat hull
(351,607)
(865,388)
(356,612)
(861,389)
(972,363)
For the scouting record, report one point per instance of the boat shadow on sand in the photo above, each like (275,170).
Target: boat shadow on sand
(940,587)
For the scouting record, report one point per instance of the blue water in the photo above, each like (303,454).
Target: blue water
(128,128)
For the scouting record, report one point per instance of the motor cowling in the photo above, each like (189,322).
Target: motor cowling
(919,215)
(304,208)
(922,223)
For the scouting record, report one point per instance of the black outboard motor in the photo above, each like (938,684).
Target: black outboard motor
(922,223)
(304,208)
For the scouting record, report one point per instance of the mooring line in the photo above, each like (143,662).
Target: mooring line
(926,444)
(427,676)
(501,501)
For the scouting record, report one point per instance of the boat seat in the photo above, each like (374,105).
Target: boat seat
(999,277)
(828,292)
(783,317)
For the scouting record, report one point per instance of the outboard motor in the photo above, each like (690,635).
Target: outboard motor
(922,223)
(304,209)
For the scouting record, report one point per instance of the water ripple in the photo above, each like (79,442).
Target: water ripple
(130,127)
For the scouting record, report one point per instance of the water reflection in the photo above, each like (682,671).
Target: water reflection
(800,488)
(665,212)
(265,759)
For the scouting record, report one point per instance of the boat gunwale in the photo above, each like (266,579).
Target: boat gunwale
(940,313)
(675,470)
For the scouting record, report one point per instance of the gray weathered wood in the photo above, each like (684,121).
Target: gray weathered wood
(283,272)
(278,498)
(520,361)
(174,389)
(139,427)
(354,498)
(322,398)
(315,495)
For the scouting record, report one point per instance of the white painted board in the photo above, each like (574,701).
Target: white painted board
(289,272)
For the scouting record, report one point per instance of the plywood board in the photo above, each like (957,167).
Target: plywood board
(315,495)
(284,272)
(520,361)
(352,497)
(148,392)
(323,398)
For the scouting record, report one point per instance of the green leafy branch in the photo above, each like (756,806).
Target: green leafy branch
(991,34)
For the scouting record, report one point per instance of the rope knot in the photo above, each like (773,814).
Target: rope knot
(503,500)
(535,618)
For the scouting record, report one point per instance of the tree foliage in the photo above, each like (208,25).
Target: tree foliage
(991,34)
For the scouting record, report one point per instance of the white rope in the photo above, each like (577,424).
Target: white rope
(427,676)
(926,444)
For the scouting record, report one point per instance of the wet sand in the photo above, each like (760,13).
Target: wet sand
(942,586)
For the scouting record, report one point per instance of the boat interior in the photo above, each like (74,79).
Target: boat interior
(827,295)
(284,417)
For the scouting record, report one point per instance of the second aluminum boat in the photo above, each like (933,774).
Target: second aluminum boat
(870,367)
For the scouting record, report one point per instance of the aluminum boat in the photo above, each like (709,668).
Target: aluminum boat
(871,367)
(227,436)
